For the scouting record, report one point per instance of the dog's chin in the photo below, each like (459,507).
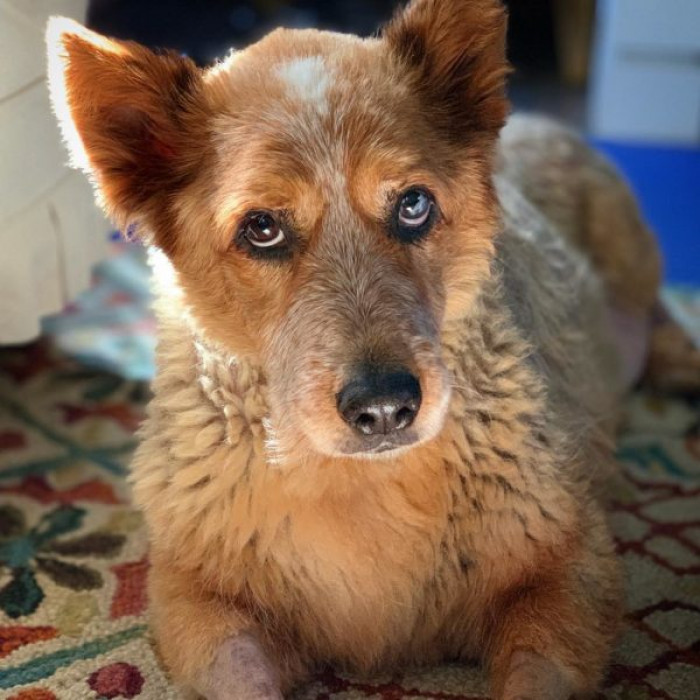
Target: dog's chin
(380,446)
(384,449)
(383,452)
(356,447)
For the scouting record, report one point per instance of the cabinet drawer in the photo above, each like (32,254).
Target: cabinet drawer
(637,101)
(662,26)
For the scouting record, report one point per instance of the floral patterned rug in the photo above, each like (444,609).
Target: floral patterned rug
(73,555)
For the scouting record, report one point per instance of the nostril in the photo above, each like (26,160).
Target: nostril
(366,423)
(380,402)
(404,417)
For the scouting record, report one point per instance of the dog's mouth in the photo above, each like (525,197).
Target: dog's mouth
(381,446)
(385,446)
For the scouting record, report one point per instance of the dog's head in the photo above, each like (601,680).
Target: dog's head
(325,201)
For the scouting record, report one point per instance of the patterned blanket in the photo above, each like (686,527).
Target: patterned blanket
(73,554)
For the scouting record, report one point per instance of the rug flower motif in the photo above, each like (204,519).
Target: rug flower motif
(28,552)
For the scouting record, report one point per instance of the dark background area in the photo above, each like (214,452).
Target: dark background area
(207,30)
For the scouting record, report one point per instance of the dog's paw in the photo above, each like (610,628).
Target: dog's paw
(532,677)
(241,671)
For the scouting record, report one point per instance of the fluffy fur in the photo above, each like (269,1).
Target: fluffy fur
(277,542)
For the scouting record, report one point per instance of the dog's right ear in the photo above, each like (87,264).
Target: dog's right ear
(131,118)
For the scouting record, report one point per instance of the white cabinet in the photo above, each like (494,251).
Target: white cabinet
(50,231)
(645,83)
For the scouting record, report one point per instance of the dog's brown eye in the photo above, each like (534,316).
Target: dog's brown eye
(413,215)
(263,230)
(414,208)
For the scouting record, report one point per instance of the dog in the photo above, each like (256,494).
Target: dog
(388,372)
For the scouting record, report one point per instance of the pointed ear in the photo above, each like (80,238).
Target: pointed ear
(455,52)
(131,118)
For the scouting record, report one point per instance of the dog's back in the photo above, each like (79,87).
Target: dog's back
(586,201)
(601,269)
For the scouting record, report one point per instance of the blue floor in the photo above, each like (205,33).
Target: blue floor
(667,183)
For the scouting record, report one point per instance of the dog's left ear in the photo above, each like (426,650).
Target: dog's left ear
(455,51)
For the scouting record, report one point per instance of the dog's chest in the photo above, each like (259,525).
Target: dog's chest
(359,570)
(378,575)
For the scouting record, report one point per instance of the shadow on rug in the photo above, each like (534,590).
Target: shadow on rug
(73,553)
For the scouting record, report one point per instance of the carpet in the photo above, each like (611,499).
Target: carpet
(73,553)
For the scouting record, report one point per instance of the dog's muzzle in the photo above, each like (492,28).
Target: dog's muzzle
(380,405)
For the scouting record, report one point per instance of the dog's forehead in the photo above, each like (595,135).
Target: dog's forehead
(306,86)
(307,108)
(302,63)
(307,79)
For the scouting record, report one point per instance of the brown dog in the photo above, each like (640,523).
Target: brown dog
(386,378)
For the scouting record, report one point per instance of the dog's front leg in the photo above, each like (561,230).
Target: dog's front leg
(207,645)
(240,670)
(552,636)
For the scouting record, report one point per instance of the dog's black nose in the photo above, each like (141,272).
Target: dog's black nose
(379,402)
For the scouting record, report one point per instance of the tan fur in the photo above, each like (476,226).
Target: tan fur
(482,538)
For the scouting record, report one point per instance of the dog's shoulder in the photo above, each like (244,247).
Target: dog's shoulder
(556,299)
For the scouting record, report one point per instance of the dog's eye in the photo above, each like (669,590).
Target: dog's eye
(263,230)
(414,208)
(413,214)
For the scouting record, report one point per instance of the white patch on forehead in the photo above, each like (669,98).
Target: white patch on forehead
(307,79)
